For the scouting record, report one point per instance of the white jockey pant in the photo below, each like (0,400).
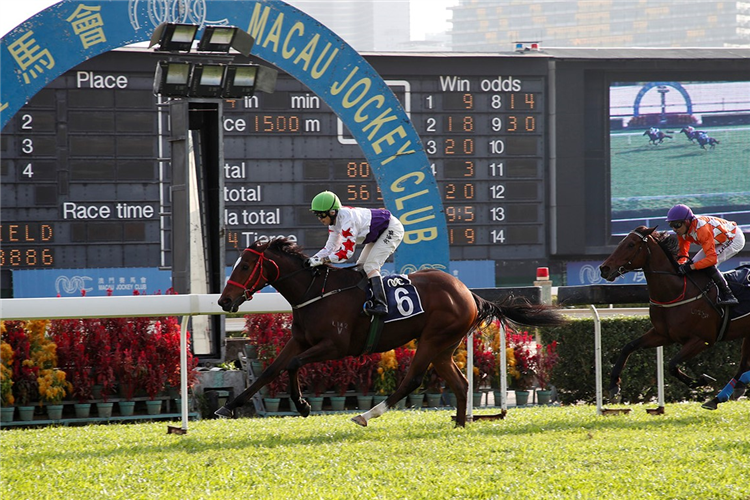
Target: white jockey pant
(727,250)
(375,254)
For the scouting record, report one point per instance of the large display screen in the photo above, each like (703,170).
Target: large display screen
(679,142)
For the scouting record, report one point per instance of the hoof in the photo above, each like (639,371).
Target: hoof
(303,408)
(360,420)
(224,412)
(615,396)
(713,404)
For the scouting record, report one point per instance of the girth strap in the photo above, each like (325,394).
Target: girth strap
(376,329)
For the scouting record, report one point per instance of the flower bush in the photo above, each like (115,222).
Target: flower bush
(25,386)
(6,374)
(316,377)
(366,368)
(544,361)
(404,357)
(385,381)
(522,373)
(73,356)
(344,374)
(268,333)
(52,386)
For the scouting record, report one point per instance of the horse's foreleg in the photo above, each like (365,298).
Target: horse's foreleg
(647,340)
(291,349)
(303,407)
(740,381)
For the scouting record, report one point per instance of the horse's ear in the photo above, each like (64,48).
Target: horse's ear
(650,230)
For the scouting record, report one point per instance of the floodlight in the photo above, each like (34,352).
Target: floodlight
(240,81)
(265,81)
(172,78)
(174,37)
(207,80)
(222,38)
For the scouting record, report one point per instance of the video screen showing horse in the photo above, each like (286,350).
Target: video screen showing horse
(679,142)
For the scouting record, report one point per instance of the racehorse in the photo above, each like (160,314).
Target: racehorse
(656,136)
(328,321)
(703,139)
(682,308)
(691,133)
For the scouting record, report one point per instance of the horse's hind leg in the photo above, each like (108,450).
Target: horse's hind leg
(689,350)
(412,380)
(447,368)
(740,381)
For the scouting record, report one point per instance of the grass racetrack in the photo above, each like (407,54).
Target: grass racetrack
(535,453)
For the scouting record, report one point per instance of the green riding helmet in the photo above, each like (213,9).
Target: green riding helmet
(325,201)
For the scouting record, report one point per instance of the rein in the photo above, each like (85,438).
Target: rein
(249,291)
(680,300)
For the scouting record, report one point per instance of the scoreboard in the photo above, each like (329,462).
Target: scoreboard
(86,173)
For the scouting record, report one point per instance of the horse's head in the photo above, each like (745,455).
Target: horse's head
(632,253)
(252,271)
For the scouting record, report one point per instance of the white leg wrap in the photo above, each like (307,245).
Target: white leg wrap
(375,412)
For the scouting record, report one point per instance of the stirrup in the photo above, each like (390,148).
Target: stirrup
(374,310)
(731,300)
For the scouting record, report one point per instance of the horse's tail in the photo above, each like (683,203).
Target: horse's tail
(519,311)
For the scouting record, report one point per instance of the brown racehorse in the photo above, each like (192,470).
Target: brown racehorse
(682,308)
(328,321)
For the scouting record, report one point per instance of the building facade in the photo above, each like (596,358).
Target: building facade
(494,26)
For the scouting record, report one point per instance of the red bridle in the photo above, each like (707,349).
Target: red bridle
(250,290)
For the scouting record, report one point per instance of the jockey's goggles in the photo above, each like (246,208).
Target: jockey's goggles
(675,225)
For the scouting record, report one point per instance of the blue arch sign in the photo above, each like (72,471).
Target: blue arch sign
(73,31)
(675,85)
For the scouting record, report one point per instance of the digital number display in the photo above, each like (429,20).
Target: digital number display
(485,143)
(88,169)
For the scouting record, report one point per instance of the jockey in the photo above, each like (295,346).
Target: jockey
(380,231)
(719,240)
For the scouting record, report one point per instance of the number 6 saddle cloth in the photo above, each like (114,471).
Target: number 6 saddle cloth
(403,298)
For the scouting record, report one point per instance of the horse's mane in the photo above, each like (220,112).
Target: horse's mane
(281,244)
(668,243)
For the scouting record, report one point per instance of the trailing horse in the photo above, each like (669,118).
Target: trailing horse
(682,309)
(656,137)
(328,321)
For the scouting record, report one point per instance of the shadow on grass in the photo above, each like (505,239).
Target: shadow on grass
(243,434)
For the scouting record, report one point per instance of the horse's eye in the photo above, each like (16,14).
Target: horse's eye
(631,245)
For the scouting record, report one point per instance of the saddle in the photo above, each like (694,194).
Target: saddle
(739,281)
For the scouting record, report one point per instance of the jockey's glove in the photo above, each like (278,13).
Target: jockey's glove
(315,261)
(683,269)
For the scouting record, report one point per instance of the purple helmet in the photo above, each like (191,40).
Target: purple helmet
(680,212)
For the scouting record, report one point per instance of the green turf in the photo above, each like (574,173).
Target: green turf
(535,453)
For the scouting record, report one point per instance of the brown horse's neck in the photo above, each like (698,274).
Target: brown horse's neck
(662,280)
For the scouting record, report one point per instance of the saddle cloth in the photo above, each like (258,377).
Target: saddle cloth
(739,281)
(403,298)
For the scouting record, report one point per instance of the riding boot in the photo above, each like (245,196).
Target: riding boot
(378,305)
(726,297)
